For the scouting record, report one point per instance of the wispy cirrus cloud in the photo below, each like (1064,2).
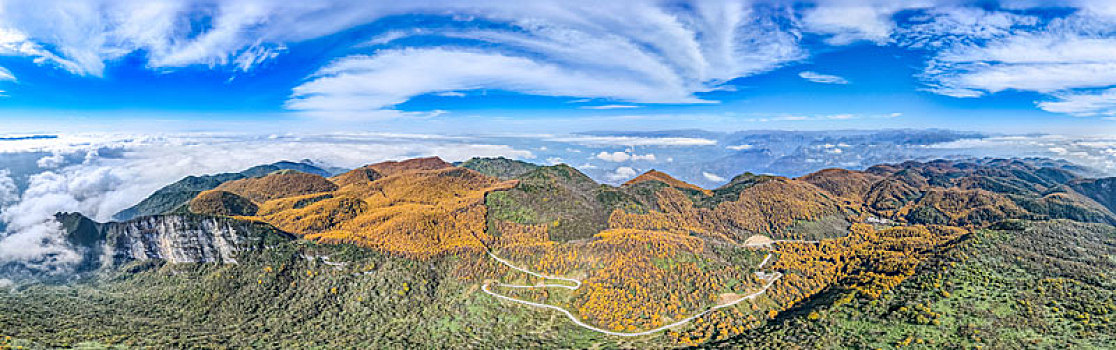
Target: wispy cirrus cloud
(846,23)
(372,84)
(6,75)
(82,37)
(642,51)
(1072,58)
(1083,104)
(1041,62)
(822,78)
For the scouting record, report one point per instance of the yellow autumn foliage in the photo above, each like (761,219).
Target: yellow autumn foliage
(417,208)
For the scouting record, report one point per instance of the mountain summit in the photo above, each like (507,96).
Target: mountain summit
(655,175)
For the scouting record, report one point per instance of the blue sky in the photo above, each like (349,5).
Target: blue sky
(558,66)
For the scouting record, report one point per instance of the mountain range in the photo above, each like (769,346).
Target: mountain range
(497,253)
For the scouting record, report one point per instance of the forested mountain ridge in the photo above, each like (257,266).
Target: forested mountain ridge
(417,208)
(173,197)
(439,240)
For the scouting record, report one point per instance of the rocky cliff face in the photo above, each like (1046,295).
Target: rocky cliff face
(177,238)
(183,239)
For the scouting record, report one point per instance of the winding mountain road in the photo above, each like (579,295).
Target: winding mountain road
(578,322)
(771,278)
(769,243)
(523,270)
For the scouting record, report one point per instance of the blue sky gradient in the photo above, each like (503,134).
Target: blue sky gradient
(560,66)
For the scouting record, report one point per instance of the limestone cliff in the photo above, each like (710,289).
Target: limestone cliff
(175,238)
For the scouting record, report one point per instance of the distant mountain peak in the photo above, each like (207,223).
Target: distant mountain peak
(376,171)
(655,175)
(499,167)
(389,168)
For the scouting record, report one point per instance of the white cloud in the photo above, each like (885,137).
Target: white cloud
(642,52)
(83,35)
(625,156)
(386,38)
(848,22)
(740,147)
(33,238)
(984,52)
(822,78)
(621,174)
(40,247)
(51,192)
(256,55)
(52,161)
(1029,62)
(8,191)
(712,177)
(358,84)
(945,27)
(6,75)
(1085,104)
(451,94)
(14,42)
